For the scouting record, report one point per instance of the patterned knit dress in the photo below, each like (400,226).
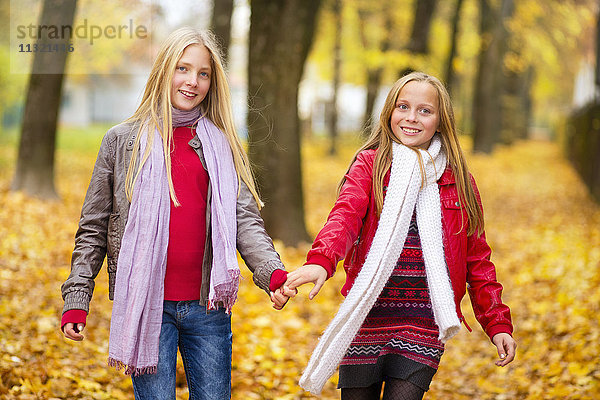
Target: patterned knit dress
(399,337)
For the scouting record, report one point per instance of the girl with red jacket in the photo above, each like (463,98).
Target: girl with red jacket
(409,223)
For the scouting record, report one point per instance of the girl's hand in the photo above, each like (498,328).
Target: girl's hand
(506,348)
(307,273)
(279,299)
(72,331)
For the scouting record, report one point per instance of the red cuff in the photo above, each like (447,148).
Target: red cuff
(499,328)
(278,278)
(323,261)
(73,316)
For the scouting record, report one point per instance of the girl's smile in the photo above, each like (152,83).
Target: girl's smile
(410,131)
(415,118)
(187,94)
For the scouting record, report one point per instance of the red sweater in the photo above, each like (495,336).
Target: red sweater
(187,227)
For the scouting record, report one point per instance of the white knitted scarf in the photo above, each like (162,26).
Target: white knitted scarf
(405,191)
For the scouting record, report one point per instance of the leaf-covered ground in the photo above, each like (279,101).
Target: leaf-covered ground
(541,223)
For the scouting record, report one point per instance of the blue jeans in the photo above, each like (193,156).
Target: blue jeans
(204,340)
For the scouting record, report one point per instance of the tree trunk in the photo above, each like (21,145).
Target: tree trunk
(374,74)
(373,83)
(516,107)
(449,78)
(221,24)
(281,33)
(512,115)
(487,103)
(419,38)
(597,55)
(337,62)
(35,161)
(525,100)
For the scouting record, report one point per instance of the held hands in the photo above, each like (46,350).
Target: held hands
(73,331)
(307,273)
(281,296)
(506,348)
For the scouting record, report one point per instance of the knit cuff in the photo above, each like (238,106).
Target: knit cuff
(323,261)
(262,274)
(77,300)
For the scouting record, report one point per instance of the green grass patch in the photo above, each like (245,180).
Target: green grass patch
(71,142)
(81,139)
(69,138)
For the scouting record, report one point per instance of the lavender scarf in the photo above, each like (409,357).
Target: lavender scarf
(139,289)
(225,272)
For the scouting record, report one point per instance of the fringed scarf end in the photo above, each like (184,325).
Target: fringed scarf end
(130,369)
(224,295)
(226,302)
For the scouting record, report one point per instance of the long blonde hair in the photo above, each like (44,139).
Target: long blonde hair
(382,136)
(154,111)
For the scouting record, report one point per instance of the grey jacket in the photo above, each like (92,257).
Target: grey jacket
(104,215)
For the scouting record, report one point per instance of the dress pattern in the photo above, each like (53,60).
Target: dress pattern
(399,337)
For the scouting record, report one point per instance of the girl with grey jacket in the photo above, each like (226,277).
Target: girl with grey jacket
(171,199)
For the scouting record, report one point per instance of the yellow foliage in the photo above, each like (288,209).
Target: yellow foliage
(541,223)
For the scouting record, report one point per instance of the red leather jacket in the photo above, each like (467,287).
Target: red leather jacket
(352,223)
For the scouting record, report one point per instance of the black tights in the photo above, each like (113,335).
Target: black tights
(395,389)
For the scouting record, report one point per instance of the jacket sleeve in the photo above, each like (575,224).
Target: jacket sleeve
(91,237)
(345,220)
(484,289)
(253,242)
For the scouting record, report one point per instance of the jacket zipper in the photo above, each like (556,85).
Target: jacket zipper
(354,255)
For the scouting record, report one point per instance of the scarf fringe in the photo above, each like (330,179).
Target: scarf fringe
(225,295)
(130,369)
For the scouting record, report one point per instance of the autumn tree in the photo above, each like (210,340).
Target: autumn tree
(11,85)
(281,34)
(374,72)
(419,37)
(337,72)
(221,24)
(112,56)
(516,105)
(597,74)
(487,102)
(450,74)
(35,162)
